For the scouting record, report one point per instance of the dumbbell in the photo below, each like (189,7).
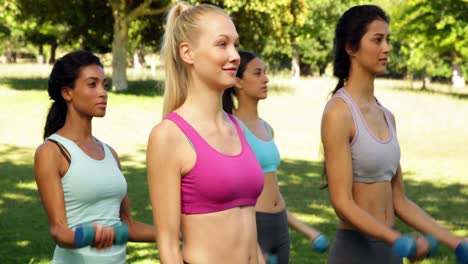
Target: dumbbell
(461,252)
(405,246)
(84,235)
(271,259)
(320,243)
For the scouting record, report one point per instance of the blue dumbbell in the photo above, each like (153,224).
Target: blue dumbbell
(121,234)
(405,246)
(461,251)
(320,243)
(433,245)
(271,259)
(84,235)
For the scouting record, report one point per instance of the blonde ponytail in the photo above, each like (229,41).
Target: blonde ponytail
(181,26)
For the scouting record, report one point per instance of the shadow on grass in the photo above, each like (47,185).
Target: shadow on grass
(25,232)
(24,83)
(148,88)
(463,95)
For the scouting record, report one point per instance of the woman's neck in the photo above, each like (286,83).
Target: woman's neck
(360,84)
(203,103)
(247,109)
(77,128)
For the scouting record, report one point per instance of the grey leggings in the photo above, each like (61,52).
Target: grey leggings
(273,234)
(354,247)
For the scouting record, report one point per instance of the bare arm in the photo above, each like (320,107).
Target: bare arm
(293,222)
(336,130)
(414,216)
(299,226)
(139,232)
(164,180)
(49,167)
(47,170)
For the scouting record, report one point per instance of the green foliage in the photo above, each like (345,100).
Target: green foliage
(10,28)
(433,34)
(81,24)
(428,36)
(147,31)
(261,22)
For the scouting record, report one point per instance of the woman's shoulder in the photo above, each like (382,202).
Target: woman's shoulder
(165,132)
(336,108)
(47,153)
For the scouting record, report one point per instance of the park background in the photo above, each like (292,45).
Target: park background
(295,37)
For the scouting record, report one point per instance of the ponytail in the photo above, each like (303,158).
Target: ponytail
(55,118)
(228,100)
(175,84)
(339,85)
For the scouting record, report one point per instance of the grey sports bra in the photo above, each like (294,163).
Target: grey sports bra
(373,160)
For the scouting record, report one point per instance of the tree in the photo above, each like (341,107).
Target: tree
(433,34)
(124,12)
(10,33)
(84,24)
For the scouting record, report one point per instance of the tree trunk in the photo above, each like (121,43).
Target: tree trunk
(119,53)
(53,49)
(295,69)
(423,88)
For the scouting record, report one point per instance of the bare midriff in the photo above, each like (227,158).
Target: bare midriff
(376,200)
(227,236)
(270,200)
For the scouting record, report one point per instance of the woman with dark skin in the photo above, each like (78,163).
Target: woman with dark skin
(79,177)
(362,154)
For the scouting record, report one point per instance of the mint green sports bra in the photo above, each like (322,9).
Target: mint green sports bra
(266,151)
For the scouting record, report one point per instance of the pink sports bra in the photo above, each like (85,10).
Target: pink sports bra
(217,181)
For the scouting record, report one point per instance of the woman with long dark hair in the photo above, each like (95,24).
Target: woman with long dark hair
(273,218)
(79,178)
(362,153)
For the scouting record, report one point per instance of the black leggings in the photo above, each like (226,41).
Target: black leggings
(354,247)
(273,234)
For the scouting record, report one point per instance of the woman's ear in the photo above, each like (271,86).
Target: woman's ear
(186,53)
(351,52)
(67,93)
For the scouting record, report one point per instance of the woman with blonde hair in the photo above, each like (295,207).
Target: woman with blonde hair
(203,177)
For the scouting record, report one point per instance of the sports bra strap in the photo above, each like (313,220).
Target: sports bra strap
(62,149)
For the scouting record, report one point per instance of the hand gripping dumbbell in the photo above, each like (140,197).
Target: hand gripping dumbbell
(461,252)
(405,246)
(84,235)
(320,243)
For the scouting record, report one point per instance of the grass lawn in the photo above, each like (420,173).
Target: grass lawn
(432,131)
